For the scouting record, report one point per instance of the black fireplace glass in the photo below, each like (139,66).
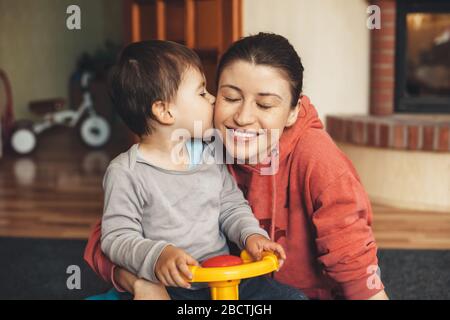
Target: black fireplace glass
(423,56)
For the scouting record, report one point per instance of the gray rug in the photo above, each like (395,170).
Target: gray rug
(36,269)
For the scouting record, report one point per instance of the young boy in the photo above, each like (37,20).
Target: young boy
(164,210)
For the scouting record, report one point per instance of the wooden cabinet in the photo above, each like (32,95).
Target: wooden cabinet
(207,26)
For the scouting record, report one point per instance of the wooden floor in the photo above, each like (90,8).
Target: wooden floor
(56,193)
(406,229)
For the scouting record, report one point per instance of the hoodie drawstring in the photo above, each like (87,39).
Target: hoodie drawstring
(273,207)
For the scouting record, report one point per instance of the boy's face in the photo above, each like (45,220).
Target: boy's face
(193,105)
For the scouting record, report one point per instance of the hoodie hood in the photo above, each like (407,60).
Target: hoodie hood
(307,118)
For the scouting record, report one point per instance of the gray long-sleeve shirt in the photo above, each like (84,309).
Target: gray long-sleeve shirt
(147,208)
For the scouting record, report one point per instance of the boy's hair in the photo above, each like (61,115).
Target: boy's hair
(147,72)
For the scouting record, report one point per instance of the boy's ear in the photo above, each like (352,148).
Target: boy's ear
(161,112)
(293,114)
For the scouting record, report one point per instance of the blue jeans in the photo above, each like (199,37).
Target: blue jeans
(258,288)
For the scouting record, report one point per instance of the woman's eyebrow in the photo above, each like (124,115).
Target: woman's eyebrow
(232,87)
(265,94)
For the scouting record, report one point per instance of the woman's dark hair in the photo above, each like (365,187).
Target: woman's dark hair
(271,50)
(148,72)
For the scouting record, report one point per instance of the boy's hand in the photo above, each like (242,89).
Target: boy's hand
(172,265)
(256,244)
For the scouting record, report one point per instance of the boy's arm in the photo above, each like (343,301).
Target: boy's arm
(236,218)
(103,267)
(122,234)
(122,279)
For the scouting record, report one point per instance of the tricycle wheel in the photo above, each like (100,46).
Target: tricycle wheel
(23,139)
(95,131)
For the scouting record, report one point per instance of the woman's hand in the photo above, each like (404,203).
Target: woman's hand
(172,265)
(141,289)
(380,296)
(146,290)
(256,244)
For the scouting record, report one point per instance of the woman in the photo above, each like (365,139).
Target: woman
(301,187)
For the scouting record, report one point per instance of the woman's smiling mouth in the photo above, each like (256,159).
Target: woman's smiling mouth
(245,135)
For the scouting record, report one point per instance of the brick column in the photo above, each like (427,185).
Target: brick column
(382,60)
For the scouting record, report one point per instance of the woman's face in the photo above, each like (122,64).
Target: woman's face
(253,106)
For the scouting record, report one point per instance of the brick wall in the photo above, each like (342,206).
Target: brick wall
(382,72)
(397,131)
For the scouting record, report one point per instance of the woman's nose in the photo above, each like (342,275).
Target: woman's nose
(244,115)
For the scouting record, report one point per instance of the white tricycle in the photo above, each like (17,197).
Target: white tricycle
(95,130)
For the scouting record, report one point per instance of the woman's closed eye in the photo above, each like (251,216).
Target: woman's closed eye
(228,99)
(264,106)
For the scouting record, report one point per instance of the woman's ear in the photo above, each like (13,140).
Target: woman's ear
(162,113)
(293,114)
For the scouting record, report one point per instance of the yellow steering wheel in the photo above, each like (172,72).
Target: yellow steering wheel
(224,273)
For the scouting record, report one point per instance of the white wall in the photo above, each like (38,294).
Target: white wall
(332,39)
(39,53)
(415,180)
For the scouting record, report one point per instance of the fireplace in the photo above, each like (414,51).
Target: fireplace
(422,77)
(409,103)
(410,64)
